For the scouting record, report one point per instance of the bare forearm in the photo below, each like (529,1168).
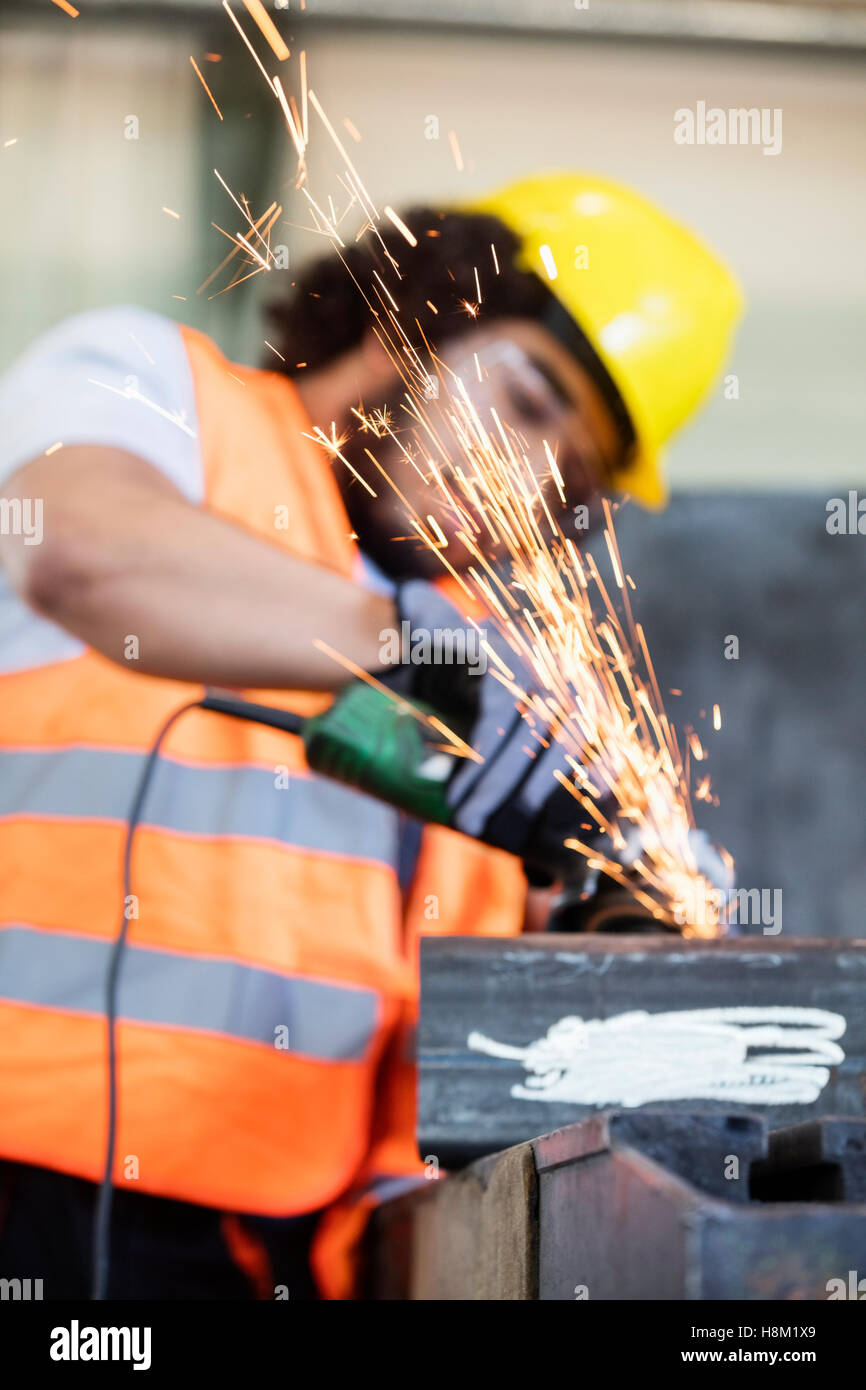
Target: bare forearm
(127,565)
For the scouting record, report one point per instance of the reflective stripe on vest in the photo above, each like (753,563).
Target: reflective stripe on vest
(310,813)
(61,971)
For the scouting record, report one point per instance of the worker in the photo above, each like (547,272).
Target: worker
(180,527)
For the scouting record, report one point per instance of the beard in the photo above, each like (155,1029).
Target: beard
(381,528)
(382,523)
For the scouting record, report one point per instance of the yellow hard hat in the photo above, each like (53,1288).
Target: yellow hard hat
(657,305)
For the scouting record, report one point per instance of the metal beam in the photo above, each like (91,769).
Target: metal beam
(518,1037)
(783,22)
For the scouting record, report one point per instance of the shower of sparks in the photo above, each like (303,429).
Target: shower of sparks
(588,689)
(206,87)
(589,683)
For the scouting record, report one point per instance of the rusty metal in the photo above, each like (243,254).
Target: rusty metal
(646,1205)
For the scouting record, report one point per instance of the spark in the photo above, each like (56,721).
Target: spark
(455,150)
(53,449)
(614,556)
(259,14)
(142,349)
(172,213)
(297,137)
(455,743)
(378,422)
(198,74)
(333,446)
(255,255)
(238,281)
(547,261)
(243,212)
(352,129)
(262,224)
(7,144)
(273,349)
(131,393)
(316,105)
(437,531)
(228,9)
(495,258)
(401,226)
(66,7)
(305,115)
(717,717)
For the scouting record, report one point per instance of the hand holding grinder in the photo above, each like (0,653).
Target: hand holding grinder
(509,799)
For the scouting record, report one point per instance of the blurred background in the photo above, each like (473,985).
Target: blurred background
(529,84)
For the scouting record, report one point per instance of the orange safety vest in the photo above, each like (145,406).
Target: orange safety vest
(271,958)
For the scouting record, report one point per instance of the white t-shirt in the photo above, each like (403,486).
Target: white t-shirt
(118,377)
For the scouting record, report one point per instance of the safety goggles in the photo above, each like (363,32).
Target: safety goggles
(501,381)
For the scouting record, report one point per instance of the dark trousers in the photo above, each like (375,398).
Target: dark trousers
(160,1249)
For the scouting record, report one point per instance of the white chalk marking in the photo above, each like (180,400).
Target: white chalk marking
(775,1056)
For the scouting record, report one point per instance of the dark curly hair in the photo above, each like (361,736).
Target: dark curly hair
(326,314)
